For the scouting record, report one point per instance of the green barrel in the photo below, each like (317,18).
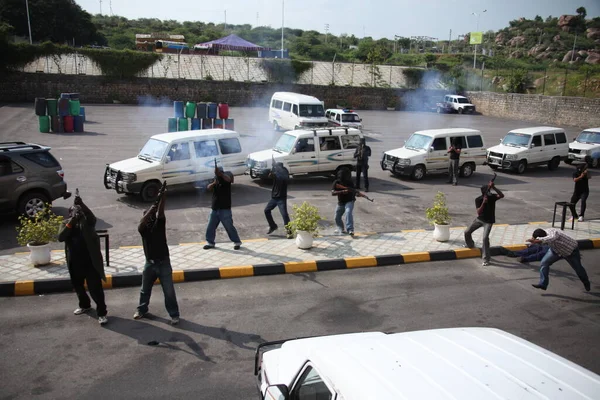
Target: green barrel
(74,107)
(44,124)
(182,124)
(172,125)
(52,105)
(190,110)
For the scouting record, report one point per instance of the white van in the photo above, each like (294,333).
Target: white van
(308,152)
(525,147)
(345,118)
(179,158)
(586,144)
(454,363)
(289,111)
(426,152)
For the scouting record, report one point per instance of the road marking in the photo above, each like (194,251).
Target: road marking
(191,244)
(497,225)
(256,240)
(178,276)
(293,267)
(236,272)
(459,227)
(538,223)
(412,230)
(467,253)
(24,288)
(359,262)
(416,257)
(131,247)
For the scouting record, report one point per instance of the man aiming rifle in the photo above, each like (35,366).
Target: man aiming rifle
(356,192)
(343,188)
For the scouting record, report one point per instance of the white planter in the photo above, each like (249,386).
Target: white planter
(441,233)
(304,239)
(39,255)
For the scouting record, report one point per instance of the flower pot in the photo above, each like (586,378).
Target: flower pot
(304,239)
(441,233)
(39,255)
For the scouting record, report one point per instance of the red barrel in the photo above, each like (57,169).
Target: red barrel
(68,124)
(223,110)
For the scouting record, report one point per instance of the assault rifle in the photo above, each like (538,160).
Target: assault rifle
(161,193)
(358,193)
(492,182)
(216,176)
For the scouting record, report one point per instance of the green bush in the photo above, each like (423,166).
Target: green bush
(284,71)
(413,76)
(305,217)
(42,229)
(518,82)
(438,214)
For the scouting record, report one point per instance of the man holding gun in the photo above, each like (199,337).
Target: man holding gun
(454,152)
(280,176)
(362,154)
(344,190)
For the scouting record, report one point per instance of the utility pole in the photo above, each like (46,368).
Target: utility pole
(282,14)
(110,7)
(477,30)
(257,25)
(100,7)
(28,21)
(225,23)
(449,41)
(326,32)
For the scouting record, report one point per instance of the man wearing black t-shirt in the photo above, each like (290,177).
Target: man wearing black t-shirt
(454,152)
(581,176)
(280,176)
(158,265)
(486,217)
(221,210)
(346,198)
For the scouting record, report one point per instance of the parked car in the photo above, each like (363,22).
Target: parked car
(180,158)
(455,103)
(289,111)
(426,152)
(587,143)
(520,148)
(454,363)
(30,178)
(344,118)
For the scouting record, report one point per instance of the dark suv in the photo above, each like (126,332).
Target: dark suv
(29,177)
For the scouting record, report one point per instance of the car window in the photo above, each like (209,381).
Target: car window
(287,106)
(350,141)
(43,159)
(537,140)
(206,148)
(230,146)
(295,109)
(475,141)
(549,139)
(8,167)
(310,386)
(459,141)
(561,137)
(439,144)
(329,143)
(337,117)
(305,145)
(277,104)
(179,151)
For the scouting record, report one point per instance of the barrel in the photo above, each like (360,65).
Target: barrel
(44,123)
(223,110)
(182,124)
(207,123)
(74,107)
(63,107)
(202,109)
(55,124)
(40,106)
(212,110)
(78,123)
(74,96)
(82,112)
(218,124)
(229,124)
(52,106)
(190,109)
(68,124)
(65,95)
(195,124)
(178,106)
(172,125)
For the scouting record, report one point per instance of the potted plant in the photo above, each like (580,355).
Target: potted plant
(439,218)
(37,233)
(392,103)
(304,224)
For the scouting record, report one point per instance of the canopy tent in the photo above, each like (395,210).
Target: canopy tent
(231,42)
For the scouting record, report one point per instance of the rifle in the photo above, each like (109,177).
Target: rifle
(358,193)
(216,176)
(492,181)
(161,193)
(77,192)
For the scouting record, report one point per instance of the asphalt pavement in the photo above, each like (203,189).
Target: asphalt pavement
(49,353)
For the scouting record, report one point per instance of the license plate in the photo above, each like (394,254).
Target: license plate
(389,165)
(494,162)
(572,156)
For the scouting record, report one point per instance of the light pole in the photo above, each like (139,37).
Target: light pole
(477,30)
(28,21)
(282,6)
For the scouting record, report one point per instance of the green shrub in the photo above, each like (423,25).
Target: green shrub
(42,229)
(305,217)
(413,76)
(284,71)
(438,214)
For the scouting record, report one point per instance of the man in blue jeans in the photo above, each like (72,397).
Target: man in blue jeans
(346,198)
(561,246)
(221,210)
(158,265)
(535,252)
(280,176)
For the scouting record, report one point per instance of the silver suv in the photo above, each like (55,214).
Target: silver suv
(30,177)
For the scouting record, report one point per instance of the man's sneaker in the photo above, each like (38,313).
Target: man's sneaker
(340,232)
(174,320)
(79,310)
(138,315)
(208,246)
(271,230)
(351,233)
(580,219)
(485,264)
(237,246)
(102,320)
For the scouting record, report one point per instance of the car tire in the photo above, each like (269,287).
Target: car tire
(460,111)
(439,110)
(150,191)
(31,203)
(522,167)
(554,163)
(418,173)
(467,170)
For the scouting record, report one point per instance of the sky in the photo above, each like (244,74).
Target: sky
(375,18)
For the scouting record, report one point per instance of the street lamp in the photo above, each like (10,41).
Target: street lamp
(477,30)
(28,21)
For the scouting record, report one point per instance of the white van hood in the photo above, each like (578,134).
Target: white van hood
(267,155)
(584,146)
(502,149)
(134,165)
(403,152)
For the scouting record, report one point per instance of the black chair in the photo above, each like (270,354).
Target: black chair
(103,233)
(565,205)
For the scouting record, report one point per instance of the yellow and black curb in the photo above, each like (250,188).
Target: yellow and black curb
(45,286)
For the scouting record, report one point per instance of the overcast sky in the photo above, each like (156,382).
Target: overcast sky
(375,18)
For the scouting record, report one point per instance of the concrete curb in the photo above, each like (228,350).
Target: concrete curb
(45,286)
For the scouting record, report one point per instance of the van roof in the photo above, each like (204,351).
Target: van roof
(455,363)
(537,129)
(448,131)
(597,130)
(322,131)
(171,136)
(342,110)
(456,95)
(301,98)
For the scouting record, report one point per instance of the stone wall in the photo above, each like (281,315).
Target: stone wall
(550,110)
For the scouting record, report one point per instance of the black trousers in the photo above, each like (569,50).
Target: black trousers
(364,169)
(575,198)
(83,271)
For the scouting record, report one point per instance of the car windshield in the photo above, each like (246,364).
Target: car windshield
(462,100)
(285,143)
(516,139)
(589,137)
(350,118)
(153,149)
(418,142)
(310,110)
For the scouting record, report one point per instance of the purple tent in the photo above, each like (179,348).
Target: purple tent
(231,42)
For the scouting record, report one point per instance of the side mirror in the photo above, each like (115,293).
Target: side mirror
(293,151)
(574,139)
(532,145)
(360,120)
(167,159)
(500,140)
(277,392)
(431,149)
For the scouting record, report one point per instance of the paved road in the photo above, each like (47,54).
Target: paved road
(47,352)
(116,132)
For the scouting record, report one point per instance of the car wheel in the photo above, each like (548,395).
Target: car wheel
(150,191)
(467,170)
(439,110)
(554,163)
(31,203)
(275,126)
(460,111)
(522,167)
(418,173)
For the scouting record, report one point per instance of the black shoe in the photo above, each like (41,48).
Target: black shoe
(449,182)
(271,230)
(538,286)
(522,260)
(237,246)
(208,246)
(455,184)
(587,286)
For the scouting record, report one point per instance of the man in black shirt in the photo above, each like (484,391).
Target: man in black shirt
(346,198)
(280,176)
(486,217)
(362,154)
(221,210)
(581,176)
(152,228)
(454,152)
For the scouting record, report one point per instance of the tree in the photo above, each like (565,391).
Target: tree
(581,12)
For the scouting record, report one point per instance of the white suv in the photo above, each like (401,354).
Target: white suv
(586,144)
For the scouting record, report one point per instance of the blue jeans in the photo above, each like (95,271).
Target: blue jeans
(224,217)
(346,208)
(162,270)
(535,252)
(282,204)
(574,261)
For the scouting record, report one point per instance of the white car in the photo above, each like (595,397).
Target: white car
(586,144)
(521,148)
(455,103)
(344,118)
(455,363)
(289,111)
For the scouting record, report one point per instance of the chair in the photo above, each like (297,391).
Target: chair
(565,205)
(103,233)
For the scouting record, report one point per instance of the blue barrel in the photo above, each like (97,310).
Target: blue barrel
(65,95)
(178,106)
(172,125)
(229,124)
(63,107)
(202,110)
(74,96)
(218,124)
(78,123)
(195,124)
(207,123)
(212,110)
(82,112)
